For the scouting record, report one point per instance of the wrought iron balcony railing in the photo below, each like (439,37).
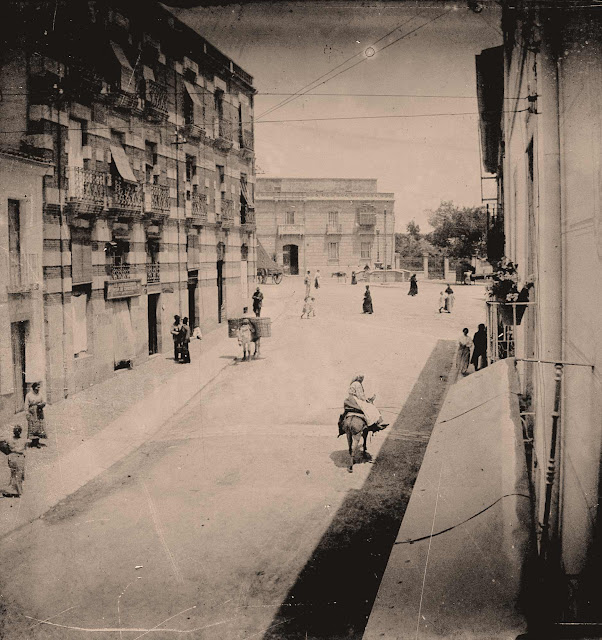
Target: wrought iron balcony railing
(199,206)
(156,199)
(156,99)
(86,186)
(153,273)
(120,272)
(247,217)
(125,196)
(24,271)
(247,140)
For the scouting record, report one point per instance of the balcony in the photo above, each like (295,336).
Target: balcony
(333,229)
(367,219)
(193,131)
(504,334)
(121,272)
(153,273)
(156,200)
(155,101)
(291,229)
(224,135)
(86,190)
(125,198)
(198,209)
(24,272)
(226,217)
(121,99)
(82,84)
(247,218)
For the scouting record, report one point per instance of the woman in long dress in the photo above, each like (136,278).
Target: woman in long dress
(367,305)
(356,400)
(449,303)
(34,407)
(413,286)
(464,345)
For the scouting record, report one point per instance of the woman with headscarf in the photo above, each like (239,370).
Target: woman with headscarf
(413,286)
(449,302)
(367,305)
(357,401)
(34,407)
(464,345)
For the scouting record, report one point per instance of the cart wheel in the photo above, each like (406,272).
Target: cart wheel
(277,278)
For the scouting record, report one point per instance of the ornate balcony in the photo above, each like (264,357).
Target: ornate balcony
(291,229)
(120,272)
(198,211)
(226,217)
(193,131)
(224,135)
(82,84)
(125,198)
(247,218)
(156,101)
(86,190)
(24,272)
(153,273)
(156,200)
(367,219)
(247,140)
(333,229)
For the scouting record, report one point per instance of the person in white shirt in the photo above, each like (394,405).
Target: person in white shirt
(464,347)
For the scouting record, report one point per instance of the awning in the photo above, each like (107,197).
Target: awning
(148,73)
(122,163)
(121,57)
(490,98)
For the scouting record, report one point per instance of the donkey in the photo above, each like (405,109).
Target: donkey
(354,425)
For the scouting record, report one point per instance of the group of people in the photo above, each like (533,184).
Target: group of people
(477,347)
(446,300)
(14,444)
(181,334)
(309,301)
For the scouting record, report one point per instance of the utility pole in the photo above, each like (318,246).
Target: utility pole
(385,239)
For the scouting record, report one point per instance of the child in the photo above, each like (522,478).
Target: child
(246,333)
(312,302)
(442,302)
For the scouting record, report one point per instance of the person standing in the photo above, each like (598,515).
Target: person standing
(449,302)
(442,302)
(413,286)
(257,302)
(367,305)
(464,345)
(479,354)
(246,333)
(306,307)
(307,283)
(317,279)
(34,407)
(353,278)
(185,342)
(175,334)
(15,448)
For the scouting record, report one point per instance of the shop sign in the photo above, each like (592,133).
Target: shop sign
(115,289)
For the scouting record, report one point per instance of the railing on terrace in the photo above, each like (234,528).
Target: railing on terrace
(199,206)
(126,196)
(156,95)
(120,272)
(24,271)
(153,273)
(156,198)
(227,213)
(86,185)
(247,216)
(510,329)
(224,129)
(247,139)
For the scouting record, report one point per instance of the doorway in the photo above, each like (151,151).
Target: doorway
(192,287)
(290,259)
(221,256)
(18,337)
(153,338)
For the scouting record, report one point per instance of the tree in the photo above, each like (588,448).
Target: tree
(460,232)
(413,229)
(413,244)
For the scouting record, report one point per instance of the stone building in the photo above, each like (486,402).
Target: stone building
(541,132)
(328,224)
(141,186)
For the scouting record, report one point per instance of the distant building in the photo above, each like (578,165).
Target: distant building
(127,196)
(327,224)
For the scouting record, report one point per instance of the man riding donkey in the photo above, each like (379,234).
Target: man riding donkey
(359,415)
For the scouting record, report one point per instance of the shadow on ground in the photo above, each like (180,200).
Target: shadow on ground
(334,593)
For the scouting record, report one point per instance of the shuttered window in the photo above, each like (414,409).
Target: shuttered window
(81,256)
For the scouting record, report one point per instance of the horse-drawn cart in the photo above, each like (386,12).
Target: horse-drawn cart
(266,267)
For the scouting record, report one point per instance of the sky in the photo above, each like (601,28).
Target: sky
(288,45)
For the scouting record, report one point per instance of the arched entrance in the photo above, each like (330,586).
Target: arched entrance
(290,259)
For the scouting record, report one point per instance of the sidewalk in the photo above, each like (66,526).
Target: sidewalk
(97,427)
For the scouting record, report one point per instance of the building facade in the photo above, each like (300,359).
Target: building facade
(148,209)
(541,126)
(326,224)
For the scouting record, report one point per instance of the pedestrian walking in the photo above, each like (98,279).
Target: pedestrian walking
(257,302)
(464,346)
(442,302)
(413,286)
(307,283)
(306,307)
(246,332)
(14,447)
(185,342)
(479,354)
(353,278)
(317,279)
(367,305)
(175,334)
(34,407)
(451,298)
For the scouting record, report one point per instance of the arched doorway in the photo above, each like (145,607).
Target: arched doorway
(221,256)
(290,259)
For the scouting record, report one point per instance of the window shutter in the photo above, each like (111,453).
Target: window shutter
(81,256)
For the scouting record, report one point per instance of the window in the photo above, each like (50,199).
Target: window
(117,137)
(81,256)
(190,168)
(80,297)
(365,251)
(290,217)
(151,160)
(14,226)
(333,250)
(221,176)
(244,252)
(333,217)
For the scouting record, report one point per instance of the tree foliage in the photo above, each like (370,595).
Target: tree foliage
(459,232)
(413,244)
